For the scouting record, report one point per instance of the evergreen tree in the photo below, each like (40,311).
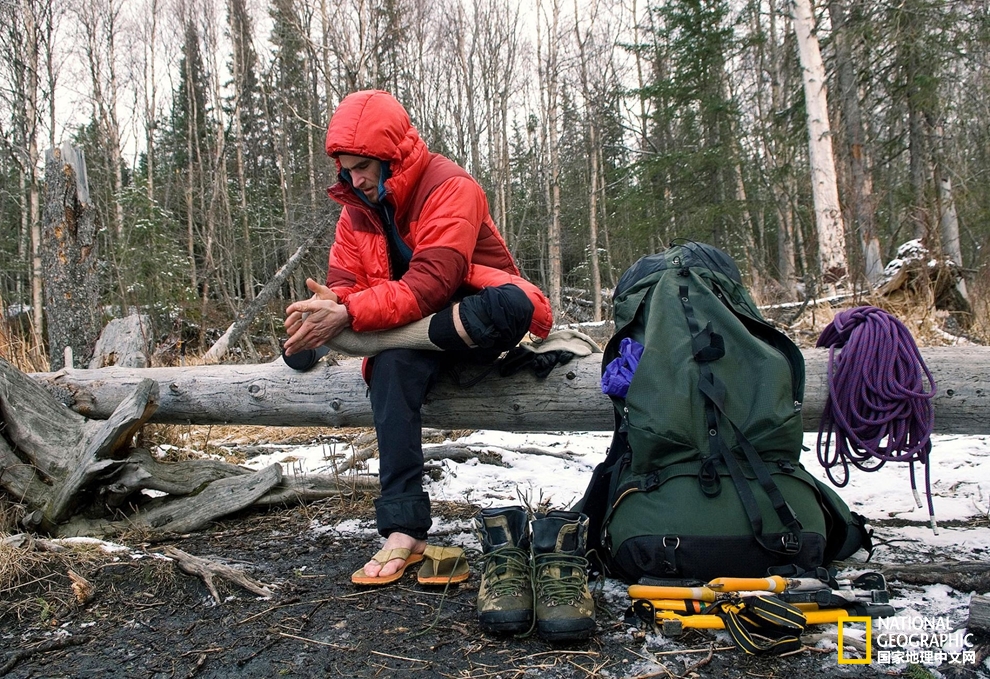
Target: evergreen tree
(690,170)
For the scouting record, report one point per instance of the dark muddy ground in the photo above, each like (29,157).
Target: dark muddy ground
(147,619)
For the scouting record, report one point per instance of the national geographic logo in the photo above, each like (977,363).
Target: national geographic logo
(843,660)
(918,640)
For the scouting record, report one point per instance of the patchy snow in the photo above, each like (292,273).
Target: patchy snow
(554,468)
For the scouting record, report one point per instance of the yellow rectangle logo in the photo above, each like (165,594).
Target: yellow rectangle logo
(869,642)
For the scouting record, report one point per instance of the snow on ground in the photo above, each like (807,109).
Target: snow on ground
(555,468)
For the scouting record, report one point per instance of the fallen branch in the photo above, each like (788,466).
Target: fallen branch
(207,569)
(965,576)
(54,645)
(304,489)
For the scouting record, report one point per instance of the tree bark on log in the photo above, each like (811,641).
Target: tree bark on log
(335,395)
(965,576)
(979,613)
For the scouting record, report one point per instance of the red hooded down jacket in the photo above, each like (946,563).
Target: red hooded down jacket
(441,213)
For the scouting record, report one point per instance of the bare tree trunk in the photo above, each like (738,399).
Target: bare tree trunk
(640,80)
(149,91)
(861,196)
(99,23)
(918,152)
(31,59)
(190,184)
(824,187)
(69,255)
(609,263)
(466,64)
(239,54)
(949,221)
(550,69)
(774,148)
(785,246)
(595,272)
(950,230)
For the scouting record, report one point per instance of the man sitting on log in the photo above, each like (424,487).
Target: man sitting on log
(418,276)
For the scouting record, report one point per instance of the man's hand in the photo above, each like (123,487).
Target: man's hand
(313,322)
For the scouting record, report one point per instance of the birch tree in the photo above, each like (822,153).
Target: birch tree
(22,32)
(99,21)
(824,187)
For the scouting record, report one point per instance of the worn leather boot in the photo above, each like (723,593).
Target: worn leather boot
(505,597)
(565,610)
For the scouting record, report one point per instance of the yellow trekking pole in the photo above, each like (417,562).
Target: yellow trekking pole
(679,593)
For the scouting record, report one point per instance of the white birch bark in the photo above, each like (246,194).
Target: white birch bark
(824,187)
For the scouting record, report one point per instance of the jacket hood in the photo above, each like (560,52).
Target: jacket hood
(372,123)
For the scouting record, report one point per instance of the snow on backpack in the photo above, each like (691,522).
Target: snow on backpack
(703,477)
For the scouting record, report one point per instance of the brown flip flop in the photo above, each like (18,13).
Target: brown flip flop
(443,566)
(383,557)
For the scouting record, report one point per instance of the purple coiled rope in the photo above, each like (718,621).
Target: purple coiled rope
(877,407)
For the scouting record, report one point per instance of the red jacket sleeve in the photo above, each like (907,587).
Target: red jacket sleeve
(442,241)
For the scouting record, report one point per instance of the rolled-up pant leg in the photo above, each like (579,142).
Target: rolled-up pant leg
(400,379)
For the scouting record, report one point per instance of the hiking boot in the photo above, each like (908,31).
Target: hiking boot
(505,597)
(565,610)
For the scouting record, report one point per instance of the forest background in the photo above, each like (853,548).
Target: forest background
(601,130)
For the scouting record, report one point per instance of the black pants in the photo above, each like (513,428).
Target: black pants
(496,319)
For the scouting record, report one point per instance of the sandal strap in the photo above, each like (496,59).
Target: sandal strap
(385,555)
(443,553)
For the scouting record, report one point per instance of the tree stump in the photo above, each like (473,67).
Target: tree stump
(125,342)
(68,255)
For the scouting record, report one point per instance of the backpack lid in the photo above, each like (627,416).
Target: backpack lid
(689,254)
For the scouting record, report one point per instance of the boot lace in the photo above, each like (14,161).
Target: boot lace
(507,571)
(562,590)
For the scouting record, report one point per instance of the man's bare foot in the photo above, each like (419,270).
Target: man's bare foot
(373,569)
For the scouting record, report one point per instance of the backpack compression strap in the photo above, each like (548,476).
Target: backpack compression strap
(708,346)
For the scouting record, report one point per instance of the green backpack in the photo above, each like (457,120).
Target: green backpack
(703,477)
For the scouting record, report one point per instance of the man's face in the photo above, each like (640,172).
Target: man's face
(365,174)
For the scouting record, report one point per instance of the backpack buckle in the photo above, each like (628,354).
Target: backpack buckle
(791,543)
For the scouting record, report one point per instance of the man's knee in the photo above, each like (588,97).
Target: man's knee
(497,317)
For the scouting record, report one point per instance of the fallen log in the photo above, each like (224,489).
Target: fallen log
(76,476)
(50,455)
(335,395)
(979,614)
